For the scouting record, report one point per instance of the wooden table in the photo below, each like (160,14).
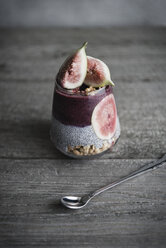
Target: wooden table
(34,175)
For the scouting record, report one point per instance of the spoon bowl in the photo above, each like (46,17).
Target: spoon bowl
(74,202)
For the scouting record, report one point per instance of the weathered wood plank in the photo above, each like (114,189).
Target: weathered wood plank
(132,54)
(30,214)
(63,36)
(26,113)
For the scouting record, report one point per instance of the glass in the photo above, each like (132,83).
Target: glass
(72,131)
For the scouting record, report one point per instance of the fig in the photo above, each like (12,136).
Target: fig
(104,118)
(98,74)
(73,71)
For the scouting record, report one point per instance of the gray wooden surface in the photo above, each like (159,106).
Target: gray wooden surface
(34,175)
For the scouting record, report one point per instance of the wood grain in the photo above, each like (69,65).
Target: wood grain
(30,209)
(34,175)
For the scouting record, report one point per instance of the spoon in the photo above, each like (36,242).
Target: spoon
(76,202)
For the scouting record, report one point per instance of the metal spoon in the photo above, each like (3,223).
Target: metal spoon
(76,202)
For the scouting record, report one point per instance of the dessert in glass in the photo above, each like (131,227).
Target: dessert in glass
(84,115)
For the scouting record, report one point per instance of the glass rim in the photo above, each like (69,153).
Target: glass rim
(70,92)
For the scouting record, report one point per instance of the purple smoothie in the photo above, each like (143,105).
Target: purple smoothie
(76,109)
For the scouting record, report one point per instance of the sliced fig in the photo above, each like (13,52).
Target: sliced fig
(104,118)
(73,71)
(98,73)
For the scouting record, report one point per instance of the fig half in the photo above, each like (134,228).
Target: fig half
(104,118)
(73,71)
(98,74)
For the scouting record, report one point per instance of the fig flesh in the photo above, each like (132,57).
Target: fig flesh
(98,74)
(104,118)
(73,71)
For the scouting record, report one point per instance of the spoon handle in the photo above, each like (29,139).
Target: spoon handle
(147,167)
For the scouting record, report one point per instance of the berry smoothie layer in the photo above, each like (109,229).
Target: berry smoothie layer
(84,115)
(76,109)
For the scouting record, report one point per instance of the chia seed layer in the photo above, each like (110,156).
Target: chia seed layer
(64,136)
